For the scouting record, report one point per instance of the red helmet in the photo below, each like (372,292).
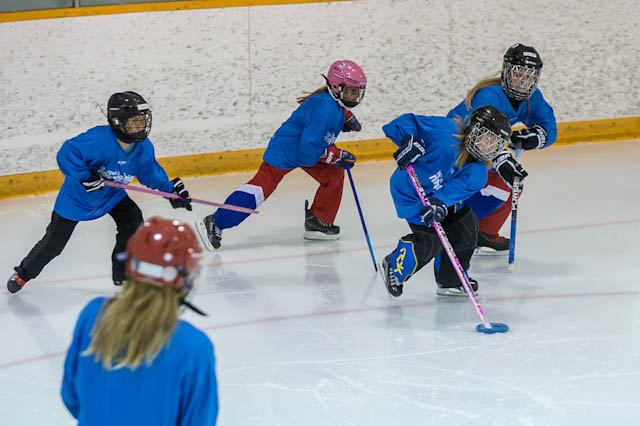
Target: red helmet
(163,252)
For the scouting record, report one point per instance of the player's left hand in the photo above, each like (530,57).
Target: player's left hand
(185,199)
(435,211)
(508,168)
(531,138)
(351,123)
(338,157)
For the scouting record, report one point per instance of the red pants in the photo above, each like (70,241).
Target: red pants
(492,223)
(328,196)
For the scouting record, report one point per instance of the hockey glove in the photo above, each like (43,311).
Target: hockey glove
(412,148)
(436,212)
(185,199)
(508,168)
(531,138)
(338,157)
(94,183)
(351,123)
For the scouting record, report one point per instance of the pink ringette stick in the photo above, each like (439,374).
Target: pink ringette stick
(172,195)
(486,326)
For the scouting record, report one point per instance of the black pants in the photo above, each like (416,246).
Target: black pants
(127,216)
(461,227)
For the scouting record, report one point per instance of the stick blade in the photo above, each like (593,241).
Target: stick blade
(496,327)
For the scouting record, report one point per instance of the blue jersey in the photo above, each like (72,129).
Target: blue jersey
(178,388)
(98,149)
(436,169)
(303,138)
(534,111)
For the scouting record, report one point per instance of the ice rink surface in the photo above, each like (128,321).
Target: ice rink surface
(305,333)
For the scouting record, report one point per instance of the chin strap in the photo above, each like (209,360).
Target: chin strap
(193,308)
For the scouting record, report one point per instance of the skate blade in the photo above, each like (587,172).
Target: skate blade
(452,292)
(486,251)
(321,236)
(202,233)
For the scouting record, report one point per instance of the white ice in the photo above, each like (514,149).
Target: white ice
(305,333)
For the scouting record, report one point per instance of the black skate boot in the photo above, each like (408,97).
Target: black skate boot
(15,283)
(489,244)
(210,234)
(315,229)
(456,289)
(389,278)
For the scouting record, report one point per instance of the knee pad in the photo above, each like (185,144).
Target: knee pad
(403,259)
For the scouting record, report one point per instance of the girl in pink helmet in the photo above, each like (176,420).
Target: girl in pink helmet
(305,140)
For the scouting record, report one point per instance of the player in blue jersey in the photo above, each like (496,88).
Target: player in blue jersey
(451,161)
(118,152)
(305,140)
(515,92)
(132,361)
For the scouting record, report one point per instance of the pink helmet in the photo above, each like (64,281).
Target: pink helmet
(346,74)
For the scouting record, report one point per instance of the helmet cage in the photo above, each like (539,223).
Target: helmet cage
(484,144)
(339,92)
(118,122)
(519,81)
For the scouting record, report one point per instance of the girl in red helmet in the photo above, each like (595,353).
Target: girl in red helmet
(132,361)
(305,140)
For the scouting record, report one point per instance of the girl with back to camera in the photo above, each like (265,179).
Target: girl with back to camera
(132,361)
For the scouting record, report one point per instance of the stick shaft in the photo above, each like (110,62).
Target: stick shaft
(514,215)
(364,227)
(172,195)
(450,252)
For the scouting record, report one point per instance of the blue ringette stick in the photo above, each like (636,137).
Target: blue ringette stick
(514,216)
(364,227)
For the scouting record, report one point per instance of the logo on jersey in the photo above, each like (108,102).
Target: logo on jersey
(330,138)
(122,162)
(436,180)
(115,176)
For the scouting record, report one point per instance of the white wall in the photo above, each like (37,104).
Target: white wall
(224,79)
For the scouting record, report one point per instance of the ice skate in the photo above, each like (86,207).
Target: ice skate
(492,245)
(446,290)
(15,283)
(315,229)
(209,233)
(389,278)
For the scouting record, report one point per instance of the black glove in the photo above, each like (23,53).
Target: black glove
(436,212)
(94,183)
(351,123)
(412,148)
(185,199)
(531,138)
(508,168)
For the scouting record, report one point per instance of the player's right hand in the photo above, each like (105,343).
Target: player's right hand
(412,148)
(94,183)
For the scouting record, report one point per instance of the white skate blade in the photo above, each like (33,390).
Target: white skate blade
(487,251)
(317,235)
(453,291)
(202,233)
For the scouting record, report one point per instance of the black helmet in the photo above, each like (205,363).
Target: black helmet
(120,108)
(521,71)
(489,132)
